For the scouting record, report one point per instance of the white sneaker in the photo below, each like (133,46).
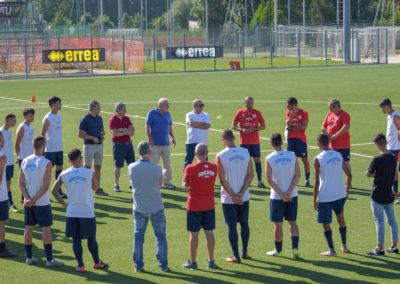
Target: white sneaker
(31,260)
(54,263)
(273,253)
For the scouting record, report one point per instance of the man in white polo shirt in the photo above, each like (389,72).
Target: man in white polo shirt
(81,221)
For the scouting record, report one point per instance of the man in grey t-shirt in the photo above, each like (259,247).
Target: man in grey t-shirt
(146,179)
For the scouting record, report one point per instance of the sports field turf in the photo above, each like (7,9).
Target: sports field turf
(358,88)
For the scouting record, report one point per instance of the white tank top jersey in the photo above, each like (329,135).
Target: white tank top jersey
(54,133)
(3,184)
(235,162)
(8,146)
(34,168)
(78,183)
(331,185)
(26,146)
(393,142)
(283,165)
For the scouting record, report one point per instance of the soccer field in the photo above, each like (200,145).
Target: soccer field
(358,88)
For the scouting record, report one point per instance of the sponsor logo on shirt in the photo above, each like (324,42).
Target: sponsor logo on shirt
(77,179)
(206,173)
(236,159)
(31,167)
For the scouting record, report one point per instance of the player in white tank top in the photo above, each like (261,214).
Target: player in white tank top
(24,137)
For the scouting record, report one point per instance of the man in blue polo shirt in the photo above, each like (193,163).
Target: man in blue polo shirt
(158,127)
(91,130)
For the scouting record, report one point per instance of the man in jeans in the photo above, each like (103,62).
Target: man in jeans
(383,168)
(146,179)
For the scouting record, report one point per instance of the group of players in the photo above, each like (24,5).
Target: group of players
(233,167)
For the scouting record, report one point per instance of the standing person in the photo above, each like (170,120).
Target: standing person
(383,169)
(52,130)
(235,171)
(122,130)
(251,122)
(10,121)
(337,125)
(393,135)
(200,179)
(283,174)
(297,122)
(3,201)
(197,125)
(146,178)
(91,130)
(34,181)
(81,221)
(24,138)
(158,128)
(329,191)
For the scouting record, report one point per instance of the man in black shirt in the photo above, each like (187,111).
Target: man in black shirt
(383,168)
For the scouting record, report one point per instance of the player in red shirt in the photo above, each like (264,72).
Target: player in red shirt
(200,179)
(251,122)
(337,125)
(296,123)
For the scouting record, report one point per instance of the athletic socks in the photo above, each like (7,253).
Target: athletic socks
(245,234)
(278,246)
(233,239)
(94,249)
(395,185)
(10,200)
(308,176)
(57,174)
(2,246)
(78,251)
(343,231)
(28,251)
(258,171)
(49,251)
(328,236)
(295,242)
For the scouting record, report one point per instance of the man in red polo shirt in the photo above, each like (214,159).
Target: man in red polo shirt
(121,132)
(337,125)
(200,179)
(296,123)
(251,122)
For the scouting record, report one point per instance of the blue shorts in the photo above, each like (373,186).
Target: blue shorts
(4,210)
(280,209)
(298,147)
(345,154)
(325,210)
(396,153)
(123,152)
(38,215)
(234,213)
(56,158)
(200,219)
(254,150)
(83,228)
(9,172)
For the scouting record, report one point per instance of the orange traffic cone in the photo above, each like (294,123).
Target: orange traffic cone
(33,99)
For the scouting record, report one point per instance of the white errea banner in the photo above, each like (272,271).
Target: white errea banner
(194,52)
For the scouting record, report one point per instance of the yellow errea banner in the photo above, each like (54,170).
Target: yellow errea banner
(73,55)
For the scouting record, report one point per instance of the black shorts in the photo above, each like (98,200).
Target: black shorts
(38,215)
(4,210)
(280,209)
(200,219)
(9,172)
(234,213)
(325,210)
(83,228)
(56,158)
(254,149)
(298,147)
(345,154)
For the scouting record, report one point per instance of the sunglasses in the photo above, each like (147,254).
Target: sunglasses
(201,105)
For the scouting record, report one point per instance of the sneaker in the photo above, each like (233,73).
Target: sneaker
(138,270)
(100,192)
(274,253)
(392,249)
(31,260)
(345,249)
(233,259)
(54,263)
(169,186)
(7,253)
(80,269)
(13,208)
(166,269)
(261,184)
(331,253)
(295,254)
(376,252)
(307,184)
(116,188)
(190,265)
(246,256)
(100,265)
(211,265)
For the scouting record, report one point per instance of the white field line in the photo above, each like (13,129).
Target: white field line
(177,123)
(20,108)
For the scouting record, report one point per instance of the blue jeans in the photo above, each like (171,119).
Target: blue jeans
(158,221)
(378,210)
(189,154)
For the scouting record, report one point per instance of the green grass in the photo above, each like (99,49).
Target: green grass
(358,88)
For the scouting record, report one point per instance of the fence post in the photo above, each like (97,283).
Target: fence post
(326,47)
(271,42)
(154,53)
(91,47)
(184,48)
(378,57)
(298,46)
(215,58)
(244,66)
(387,46)
(59,64)
(123,54)
(26,60)
(352,46)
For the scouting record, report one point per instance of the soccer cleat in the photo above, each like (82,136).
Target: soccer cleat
(54,263)
(261,184)
(233,259)
(246,256)
(31,260)
(116,188)
(100,265)
(273,253)
(80,269)
(169,186)
(395,193)
(295,254)
(13,208)
(190,265)
(138,270)
(211,265)
(392,250)
(166,269)
(7,253)
(345,249)
(307,183)
(331,253)
(100,192)
(376,252)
